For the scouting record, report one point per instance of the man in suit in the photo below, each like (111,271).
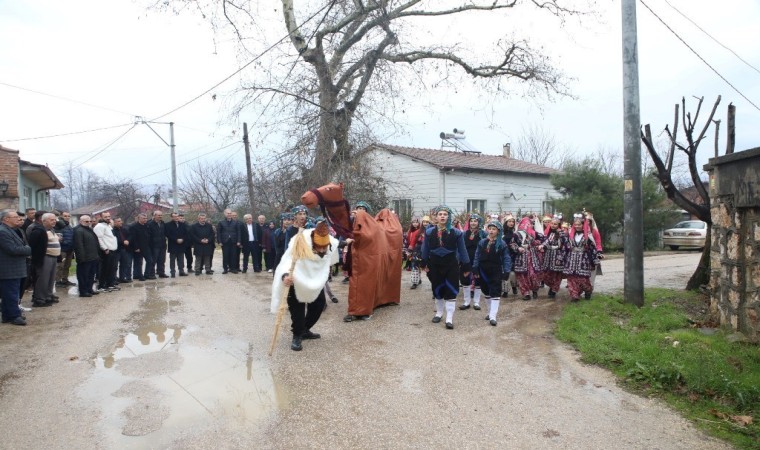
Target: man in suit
(124,251)
(139,241)
(176,235)
(86,249)
(188,244)
(202,234)
(158,244)
(30,213)
(259,242)
(228,234)
(249,242)
(13,255)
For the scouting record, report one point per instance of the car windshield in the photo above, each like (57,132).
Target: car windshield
(691,224)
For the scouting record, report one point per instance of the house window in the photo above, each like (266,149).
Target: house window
(403,208)
(547,207)
(27,197)
(476,206)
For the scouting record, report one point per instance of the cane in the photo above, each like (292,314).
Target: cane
(300,250)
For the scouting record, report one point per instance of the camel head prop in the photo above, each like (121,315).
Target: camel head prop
(324,196)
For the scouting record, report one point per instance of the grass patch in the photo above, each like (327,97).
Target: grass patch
(656,350)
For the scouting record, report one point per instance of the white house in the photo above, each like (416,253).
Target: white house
(420,179)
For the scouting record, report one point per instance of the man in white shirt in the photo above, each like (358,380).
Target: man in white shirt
(107,252)
(249,242)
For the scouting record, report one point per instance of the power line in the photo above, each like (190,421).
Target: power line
(329,5)
(104,148)
(65,134)
(699,56)
(187,161)
(710,36)
(66,99)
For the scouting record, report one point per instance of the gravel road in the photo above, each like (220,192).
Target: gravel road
(182,363)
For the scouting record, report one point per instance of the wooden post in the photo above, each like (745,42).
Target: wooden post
(731,130)
(717,134)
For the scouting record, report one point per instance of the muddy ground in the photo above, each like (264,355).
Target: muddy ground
(182,363)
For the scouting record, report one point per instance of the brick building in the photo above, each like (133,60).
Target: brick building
(24,184)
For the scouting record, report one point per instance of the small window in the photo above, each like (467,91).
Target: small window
(547,207)
(27,198)
(403,207)
(476,206)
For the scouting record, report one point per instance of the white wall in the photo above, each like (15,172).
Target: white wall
(428,186)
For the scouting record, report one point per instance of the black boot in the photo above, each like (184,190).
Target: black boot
(535,295)
(296,344)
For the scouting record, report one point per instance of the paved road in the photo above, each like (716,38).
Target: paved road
(182,363)
(667,270)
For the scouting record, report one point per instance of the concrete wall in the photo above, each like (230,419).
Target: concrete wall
(427,186)
(735,241)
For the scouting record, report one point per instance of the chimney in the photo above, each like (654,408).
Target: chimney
(507,150)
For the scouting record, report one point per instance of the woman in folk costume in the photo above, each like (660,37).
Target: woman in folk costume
(580,259)
(414,246)
(598,241)
(313,251)
(526,263)
(554,256)
(471,284)
(508,234)
(491,265)
(443,251)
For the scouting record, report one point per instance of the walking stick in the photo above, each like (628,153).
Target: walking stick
(300,250)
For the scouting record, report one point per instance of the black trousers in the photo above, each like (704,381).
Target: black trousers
(305,315)
(248,253)
(230,256)
(106,276)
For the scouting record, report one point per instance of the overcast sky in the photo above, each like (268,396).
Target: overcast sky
(110,61)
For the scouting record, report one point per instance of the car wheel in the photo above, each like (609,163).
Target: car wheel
(674,247)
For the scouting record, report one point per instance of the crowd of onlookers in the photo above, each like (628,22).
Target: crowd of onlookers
(37,249)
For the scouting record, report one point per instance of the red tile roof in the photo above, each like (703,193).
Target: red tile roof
(445,159)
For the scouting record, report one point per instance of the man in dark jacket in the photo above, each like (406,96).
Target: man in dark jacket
(30,218)
(64,228)
(176,236)
(202,235)
(86,252)
(13,255)
(158,244)
(45,252)
(228,234)
(139,242)
(124,250)
(189,244)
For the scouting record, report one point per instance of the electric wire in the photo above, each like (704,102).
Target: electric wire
(188,160)
(104,148)
(65,134)
(711,37)
(699,56)
(66,99)
(267,50)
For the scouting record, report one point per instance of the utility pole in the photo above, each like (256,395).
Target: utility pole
(248,168)
(174,168)
(633,235)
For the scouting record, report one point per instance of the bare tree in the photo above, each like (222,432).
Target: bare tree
(700,209)
(349,62)
(125,193)
(81,187)
(539,146)
(213,185)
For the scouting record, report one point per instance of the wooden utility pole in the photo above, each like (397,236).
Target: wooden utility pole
(731,129)
(248,168)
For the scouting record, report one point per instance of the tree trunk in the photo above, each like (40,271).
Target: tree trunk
(701,276)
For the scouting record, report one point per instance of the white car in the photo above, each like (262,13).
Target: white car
(689,233)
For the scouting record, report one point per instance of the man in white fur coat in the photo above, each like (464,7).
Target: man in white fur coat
(305,285)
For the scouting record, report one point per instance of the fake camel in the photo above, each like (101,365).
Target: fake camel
(376,253)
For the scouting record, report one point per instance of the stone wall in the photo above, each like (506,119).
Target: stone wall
(735,241)
(9,173)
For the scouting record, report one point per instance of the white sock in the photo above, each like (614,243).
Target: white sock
(450,305)
(476,298)
(438,307)
(494,309)
(466,296)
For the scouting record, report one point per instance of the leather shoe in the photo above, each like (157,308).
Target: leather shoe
(41,304)
(334,299)
(463,307)
(141,279)
(296,344)
(527,297)
(492,322)
(587,295)
(85,295)
(245,270)
(308,334)
(226,271)
(449,326)
(183,274)
(348,318)
(17,321)
(95,293)
(209,272)
(476,307)
(414,286)
(163,275)
(152,277)
(436,319)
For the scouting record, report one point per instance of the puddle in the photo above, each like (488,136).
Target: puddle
(156,385)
